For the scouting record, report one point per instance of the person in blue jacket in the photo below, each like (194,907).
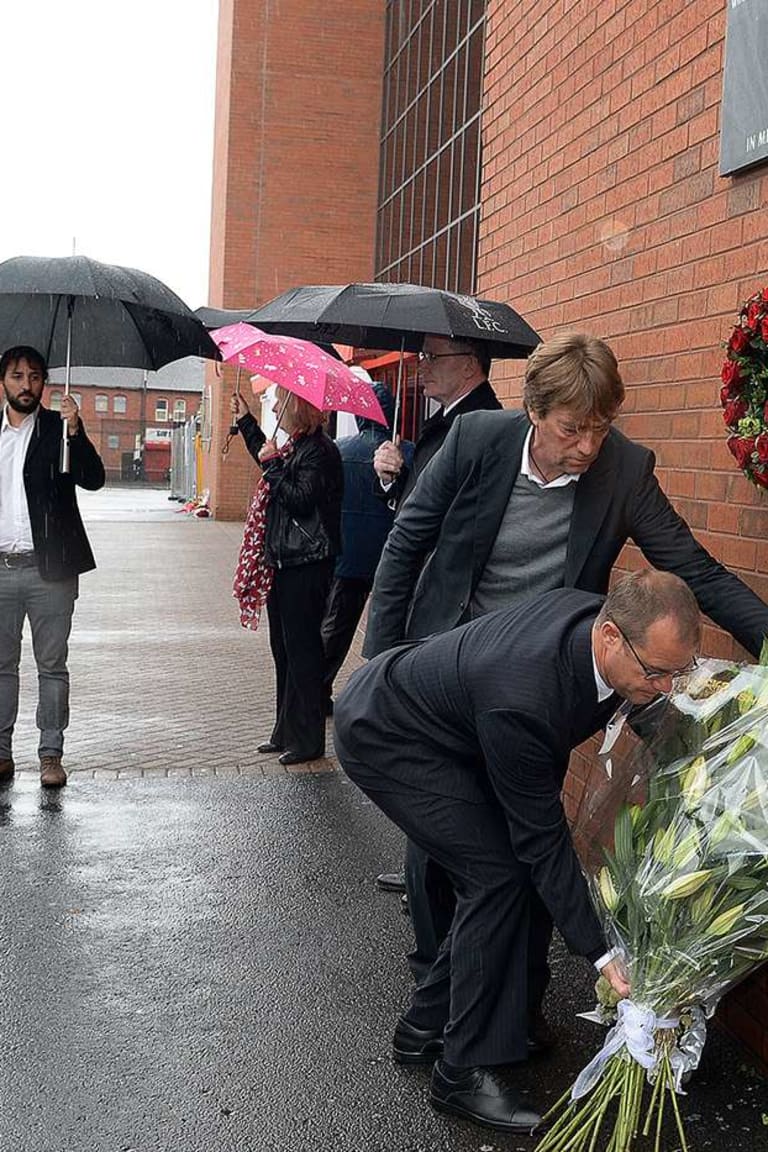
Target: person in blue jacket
(365,522)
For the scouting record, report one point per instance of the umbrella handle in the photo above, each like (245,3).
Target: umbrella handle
(233,428)
(64,453)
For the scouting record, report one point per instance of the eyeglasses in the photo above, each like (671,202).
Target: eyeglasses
(576,431)
(430,357)
(657,673)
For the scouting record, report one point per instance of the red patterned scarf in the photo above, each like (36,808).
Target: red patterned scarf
(253,576)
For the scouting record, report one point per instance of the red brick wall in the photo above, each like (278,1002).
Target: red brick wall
(101,425)
(295,169)
(603,210)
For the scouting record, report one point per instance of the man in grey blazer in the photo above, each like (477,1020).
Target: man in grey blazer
(463,741)
(519,502)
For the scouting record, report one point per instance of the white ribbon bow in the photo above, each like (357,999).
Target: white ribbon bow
(634,1031)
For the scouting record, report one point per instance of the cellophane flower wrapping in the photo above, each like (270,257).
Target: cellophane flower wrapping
(674,841)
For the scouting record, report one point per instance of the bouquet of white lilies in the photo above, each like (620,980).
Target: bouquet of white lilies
(682,889)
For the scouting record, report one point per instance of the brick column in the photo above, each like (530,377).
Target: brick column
(298,96)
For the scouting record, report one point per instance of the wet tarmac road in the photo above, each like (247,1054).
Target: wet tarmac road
(202,965)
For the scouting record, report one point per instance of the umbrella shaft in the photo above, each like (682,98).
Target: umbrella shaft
(281,413)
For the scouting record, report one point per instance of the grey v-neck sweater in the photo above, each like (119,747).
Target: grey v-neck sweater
(528,556)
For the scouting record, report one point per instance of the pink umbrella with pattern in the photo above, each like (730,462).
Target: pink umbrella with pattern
(300,367)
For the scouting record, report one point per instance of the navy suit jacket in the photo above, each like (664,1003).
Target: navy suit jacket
(431,438)
(489,712)
(442,538)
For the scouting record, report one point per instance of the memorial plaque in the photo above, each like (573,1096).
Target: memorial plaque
(744,119)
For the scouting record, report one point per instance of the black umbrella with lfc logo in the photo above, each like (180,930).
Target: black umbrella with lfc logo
(395,316)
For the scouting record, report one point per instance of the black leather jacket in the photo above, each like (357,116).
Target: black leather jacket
(304,510)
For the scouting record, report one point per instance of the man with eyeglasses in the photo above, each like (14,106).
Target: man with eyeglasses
(521,502)
(463,741)
(455,374)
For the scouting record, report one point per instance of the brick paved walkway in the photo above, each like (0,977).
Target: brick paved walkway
(165,681)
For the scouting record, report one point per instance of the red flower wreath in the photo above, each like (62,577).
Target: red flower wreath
(744,394)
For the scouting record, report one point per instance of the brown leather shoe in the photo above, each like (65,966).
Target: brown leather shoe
(7,769)
(52,775)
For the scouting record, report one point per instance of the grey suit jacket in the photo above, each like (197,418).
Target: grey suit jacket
(437,550)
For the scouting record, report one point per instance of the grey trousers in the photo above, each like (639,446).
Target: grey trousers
(48,606)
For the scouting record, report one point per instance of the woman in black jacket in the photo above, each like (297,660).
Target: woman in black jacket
(291,537)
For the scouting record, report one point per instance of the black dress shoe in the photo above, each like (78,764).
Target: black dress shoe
(268,746)
(480,1095)
(391,882)
(412,1045)
(541,1038)
(298,757)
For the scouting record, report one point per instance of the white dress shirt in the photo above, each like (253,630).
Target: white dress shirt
(15,526)
(527,470)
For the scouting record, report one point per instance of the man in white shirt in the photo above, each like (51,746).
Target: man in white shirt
(43,549)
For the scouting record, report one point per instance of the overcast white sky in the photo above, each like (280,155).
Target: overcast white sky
(107,133)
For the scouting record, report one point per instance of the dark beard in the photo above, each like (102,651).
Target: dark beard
(27,405)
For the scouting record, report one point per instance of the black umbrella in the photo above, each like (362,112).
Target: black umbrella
(79,311)
(221,317)
(395,316)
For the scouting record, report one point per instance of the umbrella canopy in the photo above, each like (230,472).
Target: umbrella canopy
(223,317)
(395,316)
(299,367)
(78,311)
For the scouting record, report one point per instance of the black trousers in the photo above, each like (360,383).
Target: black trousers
(346,601)
(295,608)
(477,987)
(432,903)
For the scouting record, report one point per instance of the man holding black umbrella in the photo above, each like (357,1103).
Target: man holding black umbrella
(455,374)
(43,549)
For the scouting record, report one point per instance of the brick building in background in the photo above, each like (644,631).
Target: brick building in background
(127,411)
(560,156)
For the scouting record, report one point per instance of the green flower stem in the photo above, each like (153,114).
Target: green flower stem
(652,1105)
(659,1116)
(571,1124)
(599,1121)
(559,1106)
(578,1129)
(678,1118)
(639,1090)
